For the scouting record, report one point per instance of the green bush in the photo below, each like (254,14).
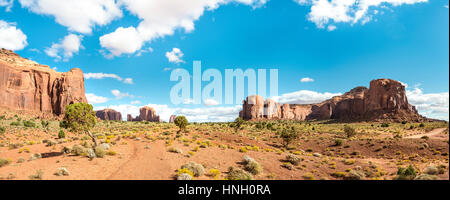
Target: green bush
(253,167)
(349,131)
(181,122)
(2,129)
(288,135)
(406,173)
(384,125)
(338,142)
(61,134)
(17,123)
(30,124)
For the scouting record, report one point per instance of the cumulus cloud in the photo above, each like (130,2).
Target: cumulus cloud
(304,97)
(331,28)
(7,4)
(210,102)
(324,12)
(65,49)
(159,19)
(77,15)
(106,75)
(119,95)
(175,56)
(432,105)
(11,37)
(94,99)
(306,80)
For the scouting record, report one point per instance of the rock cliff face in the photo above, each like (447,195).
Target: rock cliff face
(145,114)
(172,118)
(33,88)
(385,100)
(109,114)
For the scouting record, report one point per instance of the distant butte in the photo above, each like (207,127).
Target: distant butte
(385,100)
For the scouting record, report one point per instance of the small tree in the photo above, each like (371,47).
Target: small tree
(238,122)
(349,131)
(288,135)
(181,122)
(80,118)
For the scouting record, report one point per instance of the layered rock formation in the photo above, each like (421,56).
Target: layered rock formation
(109,114)
(385,100)
(172,118)
(145,114)
(33,88)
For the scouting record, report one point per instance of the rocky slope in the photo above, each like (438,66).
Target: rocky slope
(385,100)
(29,87)
(145,114)
(109,114)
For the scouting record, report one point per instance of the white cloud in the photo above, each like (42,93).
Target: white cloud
(347,11)
(175,56)
(158,19)
(78,15)
(68,46)
(118,94)
(432,105)
(304,97)
(7,4)
(306,80)
(135,102)
(11,37)
(188,101)
(94,99)
(331,28)
(105,75)
(210,102)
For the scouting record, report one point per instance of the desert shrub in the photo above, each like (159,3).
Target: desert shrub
(45,124)
(421,125)
(37,175)
(62,172)
(406,173)
(237,124)
(79,150)
(197,169)
(246,159)
(349,131)
(4,162)
(426,177)
(338,142)
(61,134)
(308,176)
(384,125)
(355,175)
(184,177)
(253,167)
(175,150)
(181,122)
(100,151)
(2,129)
(238,174)
(17,123)
(215,173)
(29,124)
(288,135)
(293,159)
(431,170)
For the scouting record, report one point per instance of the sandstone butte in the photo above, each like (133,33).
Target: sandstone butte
(109,114)
(385,100)
(30,88)
(145,114)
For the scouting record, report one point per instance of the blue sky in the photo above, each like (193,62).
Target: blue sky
(337,44)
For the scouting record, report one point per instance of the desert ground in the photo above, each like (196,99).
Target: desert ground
(31,148)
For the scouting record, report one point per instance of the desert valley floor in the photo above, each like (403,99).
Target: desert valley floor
(30,149)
